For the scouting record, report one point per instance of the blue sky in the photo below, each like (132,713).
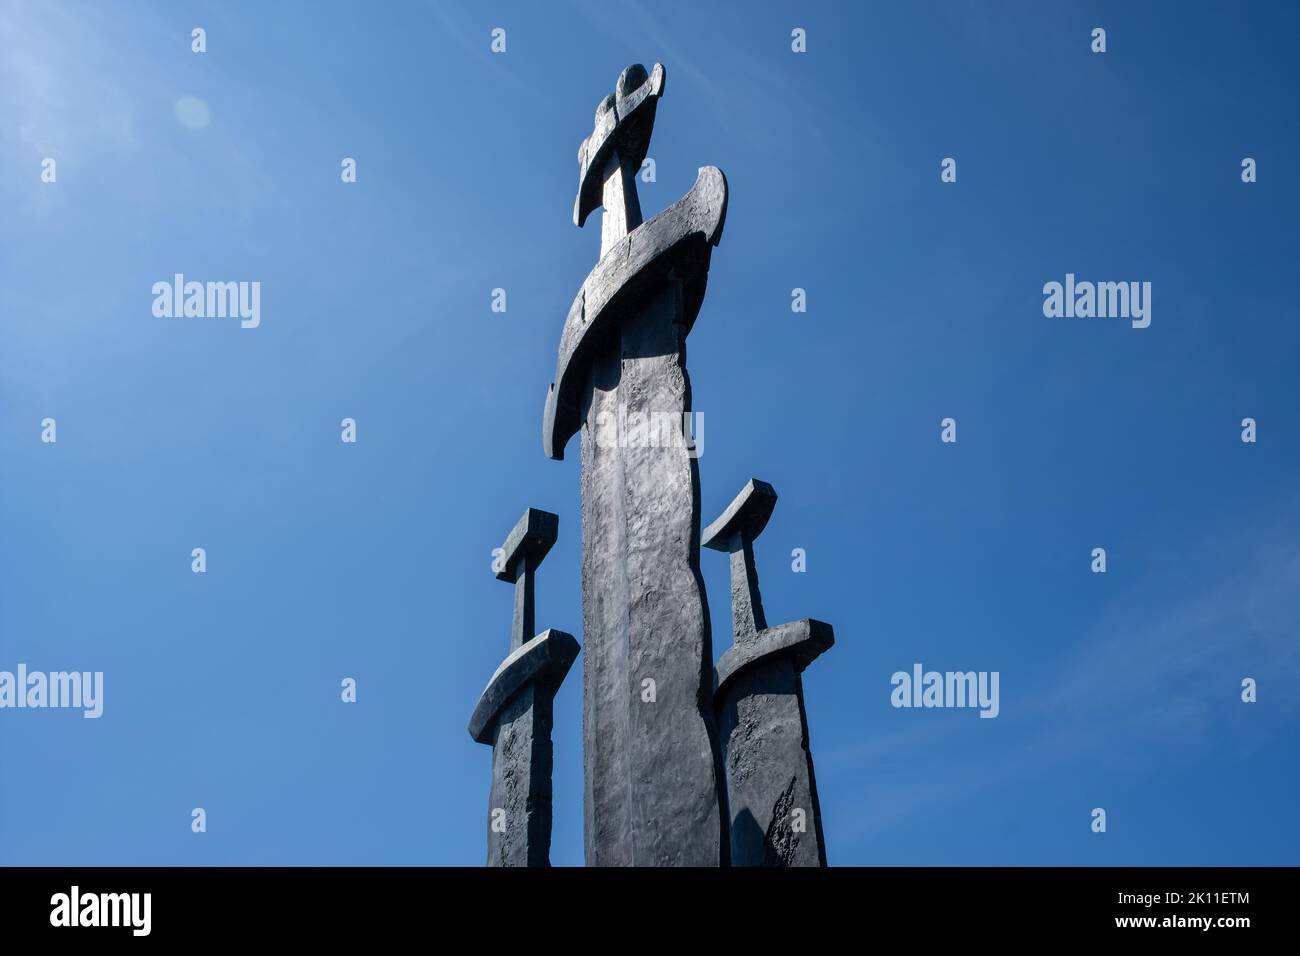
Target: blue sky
(328,560)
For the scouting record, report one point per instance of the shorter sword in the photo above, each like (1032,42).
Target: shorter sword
(771,788)
(515,713)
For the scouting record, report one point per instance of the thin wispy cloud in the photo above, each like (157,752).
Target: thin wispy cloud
(52,56)
(1154,670)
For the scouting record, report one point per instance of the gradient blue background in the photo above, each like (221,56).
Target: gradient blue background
(328,560)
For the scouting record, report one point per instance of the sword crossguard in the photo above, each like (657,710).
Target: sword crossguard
(544,661)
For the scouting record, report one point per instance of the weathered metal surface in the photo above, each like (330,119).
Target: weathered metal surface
(624,122)
(673,248)
(652,764)
(515,713)
(775,815)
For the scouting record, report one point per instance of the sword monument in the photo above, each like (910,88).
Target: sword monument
(652,764)
(776,817)
(515,713)
(658,776)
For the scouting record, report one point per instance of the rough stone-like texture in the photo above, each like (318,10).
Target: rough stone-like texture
(653,790)
(769,767)
(516,710)
(775,816)
(515,716)
(522,760)
(652,780)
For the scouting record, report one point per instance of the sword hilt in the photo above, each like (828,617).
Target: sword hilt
(617,145)
(735,531)
(524,548)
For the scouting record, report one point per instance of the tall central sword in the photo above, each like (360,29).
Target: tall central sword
(652,764)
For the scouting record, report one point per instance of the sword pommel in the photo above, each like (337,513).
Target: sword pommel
(624,121)
(745,517)
(735,531)
(530,539)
